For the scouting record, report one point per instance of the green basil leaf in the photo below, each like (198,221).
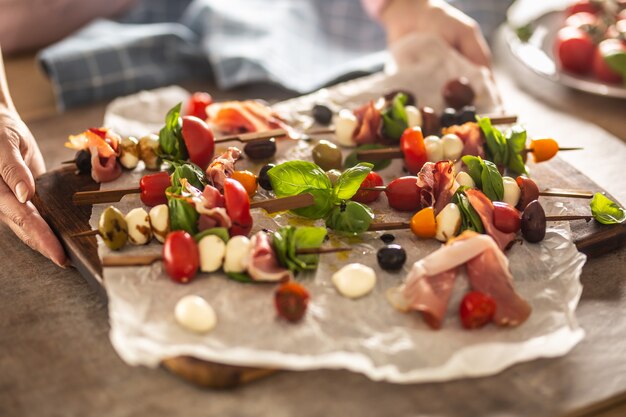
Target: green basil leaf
(220,232)
(495,140)
(240,277)
(280,241)
(492,184)
(474,166)
(351,160)
(170,137)
(350,217)
(395,120)
(183,216)
(516,142)
(606,211)
(323,203)
(350,181)
(470,220)
(287,240)
(191,172)
(616,59)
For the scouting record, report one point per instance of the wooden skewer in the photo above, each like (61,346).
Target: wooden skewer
(253,136)
(82,198)
(274,205)
(548,192)
(144,260)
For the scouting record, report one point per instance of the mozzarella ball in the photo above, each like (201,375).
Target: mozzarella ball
(413,116)
(345,125)
(195,314)
(160,221)
(148,151)
(129,156)
(448,222)
(354,280)
(463,178)
(212,250)
(511,191)
(434,148)
(452,146)
(139,229)
(237,252)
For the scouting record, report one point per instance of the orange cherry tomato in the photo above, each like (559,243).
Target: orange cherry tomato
(543,149)
(247,179)
(423,223)
(414,150)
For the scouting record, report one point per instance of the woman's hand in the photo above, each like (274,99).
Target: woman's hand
(401,17)
(20,163)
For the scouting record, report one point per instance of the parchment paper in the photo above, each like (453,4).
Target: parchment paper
(365,335)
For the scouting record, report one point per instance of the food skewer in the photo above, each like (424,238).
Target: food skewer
(548,192)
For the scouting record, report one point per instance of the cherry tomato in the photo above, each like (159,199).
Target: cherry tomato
(237,206)
(247,179)
(180,256)
(575,50)
(153,188)
(423,223)
(366,196)
(197,105)
(601,70)
(582,6)
(403,194)
(506,218)
(476,309)
(291,300)
(199,140)
(544,149)
(414,150)
(528,192)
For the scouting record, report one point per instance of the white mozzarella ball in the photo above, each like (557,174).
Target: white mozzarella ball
(511,191)
(212,250)
(448,222)
(237,252)
(129,156)
(463,178)
(195,314)
(452,146)
(413,116)
(354,280)
(345,125)
(149,149)
(160,221)
(139,229)
(434,148)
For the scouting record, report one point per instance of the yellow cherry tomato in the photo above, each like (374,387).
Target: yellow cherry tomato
(423,223)
(543,149)
(247,179)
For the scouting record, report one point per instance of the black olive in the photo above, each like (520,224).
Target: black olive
(430,121)
(263,179)
(448,117)
(410,101)
(458,93)
(387,238)
(261,149)
(83,161)
(466,114)
(534,222)
(391,257)
(322,114)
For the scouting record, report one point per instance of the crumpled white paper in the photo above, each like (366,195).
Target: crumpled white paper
(365,335)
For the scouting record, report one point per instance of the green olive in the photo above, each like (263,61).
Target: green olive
(113,228)
(333,175)
(327,155)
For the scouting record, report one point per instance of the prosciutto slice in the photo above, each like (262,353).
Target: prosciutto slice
(243,116)
(436,182)
(483,206)
(262,262)
(222,167)
(471,136)
(210,206)
(104,165)
(370,120)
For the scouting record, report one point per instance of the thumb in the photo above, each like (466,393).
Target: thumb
(13,168)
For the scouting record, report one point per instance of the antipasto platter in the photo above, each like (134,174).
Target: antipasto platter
(354,254)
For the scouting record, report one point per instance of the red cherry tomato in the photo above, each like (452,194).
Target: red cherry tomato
(528,192)
(414,150)
(476,309)
(237,206)
(291,300)
(153,188)
(197,105)
(366,196)
(506,218)
(199,140)
(403,194)
(575,50)
(582,6)
(601,70)
(180,256)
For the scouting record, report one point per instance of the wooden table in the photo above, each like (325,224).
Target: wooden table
(56,357)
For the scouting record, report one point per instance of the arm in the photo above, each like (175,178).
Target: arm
(20,163)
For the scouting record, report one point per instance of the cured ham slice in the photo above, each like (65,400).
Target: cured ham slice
(222,167)
(484,207)
(243,116)
(436,182)
(370,120)
(210,206)
(429,283)
(263,263)
(471,136)
(104,165)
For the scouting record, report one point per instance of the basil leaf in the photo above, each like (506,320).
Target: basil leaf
(516,143)
(170,136)
(191,172)
(240,277)
(492,184)
(287,240)
(350,181)
(323,203)
(395,120)
(474,166)
(495,140)
(350,217)
(183,216)
(616,59)
(470,220)
(351,160)
(606,211)
(220,232)
(280,243)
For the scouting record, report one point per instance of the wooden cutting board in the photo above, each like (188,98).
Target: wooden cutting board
(54,196)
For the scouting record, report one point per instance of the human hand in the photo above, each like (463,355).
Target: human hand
(20,163)
(402,17)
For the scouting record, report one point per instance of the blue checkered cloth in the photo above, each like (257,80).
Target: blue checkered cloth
(299,44)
